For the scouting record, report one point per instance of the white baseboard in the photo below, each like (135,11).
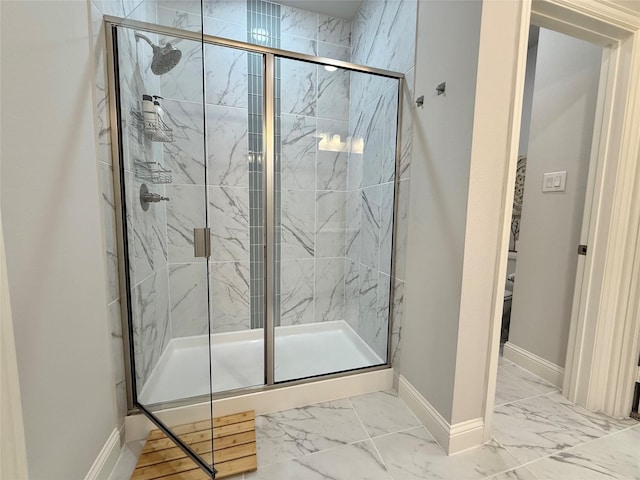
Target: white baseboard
(106,459)
(137,427)
(454,438)
(546,370)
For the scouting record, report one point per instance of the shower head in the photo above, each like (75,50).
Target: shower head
(164,58)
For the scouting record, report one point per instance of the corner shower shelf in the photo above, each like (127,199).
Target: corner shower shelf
(152,172)
(156,130)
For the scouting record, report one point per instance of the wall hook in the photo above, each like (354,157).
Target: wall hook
(440,89)
(420,101)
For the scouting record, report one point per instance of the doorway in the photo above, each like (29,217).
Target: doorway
(601,354)
(559,119)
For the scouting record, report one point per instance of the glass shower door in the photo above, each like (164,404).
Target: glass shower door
(163,177)
(334,191)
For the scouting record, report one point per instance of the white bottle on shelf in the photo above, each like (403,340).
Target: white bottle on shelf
(158,109)
(149,114)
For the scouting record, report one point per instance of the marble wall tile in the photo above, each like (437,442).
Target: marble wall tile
(389,121)
(299,44)
(408,110)
(396,328)
(234,11)
(333,94)
(402,229)
(226,71)
(224,29)
(334,30)
(298,152)
(230,300)
(386,227)
(297,22)
(151,329)
(183,20)
(368,305)
(109,226)
(298,223)
(301,80)
(383,35)
(378,330)
(354,221)
(351,292)
(117,360)
(227,146)
(332,168)
(188,299)
(101,110)
(330,224)
(184,81)
(370,226)
(110,7)
(374,144)
(354,174)
(336,52)
(294,433)
(296,291)
(185,211)
(329,290)
(229,223)
(185,156)
(364,28)
(148,232)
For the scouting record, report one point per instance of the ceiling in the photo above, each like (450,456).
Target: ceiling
(334,8)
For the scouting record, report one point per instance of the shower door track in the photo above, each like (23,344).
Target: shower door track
(270,54)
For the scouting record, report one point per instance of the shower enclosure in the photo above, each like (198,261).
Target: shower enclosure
(256,205)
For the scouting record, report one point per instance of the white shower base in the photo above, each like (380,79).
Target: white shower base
(238,359)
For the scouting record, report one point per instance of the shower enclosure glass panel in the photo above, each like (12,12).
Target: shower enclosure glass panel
(163,175)
(335,152)
(286,168)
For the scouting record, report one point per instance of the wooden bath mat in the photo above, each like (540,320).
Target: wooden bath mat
(234,444)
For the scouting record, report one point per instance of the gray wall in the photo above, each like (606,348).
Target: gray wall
(564,101)
(527,102)
(447,46)
(52,224)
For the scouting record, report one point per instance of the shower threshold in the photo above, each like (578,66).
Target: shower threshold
(237,359)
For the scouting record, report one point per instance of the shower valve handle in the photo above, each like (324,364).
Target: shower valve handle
(153,197)
(147,197)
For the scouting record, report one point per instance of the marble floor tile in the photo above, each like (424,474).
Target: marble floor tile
(415,455)
(358,461)
(608,424)
(616,456)
(518,474)
(383,412)
(538,426)
(294,433)
(532,380)
(510,388)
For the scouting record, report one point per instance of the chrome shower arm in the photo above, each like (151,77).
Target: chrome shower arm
(146,39)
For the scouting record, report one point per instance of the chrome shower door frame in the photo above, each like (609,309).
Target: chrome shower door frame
(270,55)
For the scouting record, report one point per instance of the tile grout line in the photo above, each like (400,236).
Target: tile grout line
(368,435)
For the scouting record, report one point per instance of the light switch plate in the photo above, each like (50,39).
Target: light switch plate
(554,181)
